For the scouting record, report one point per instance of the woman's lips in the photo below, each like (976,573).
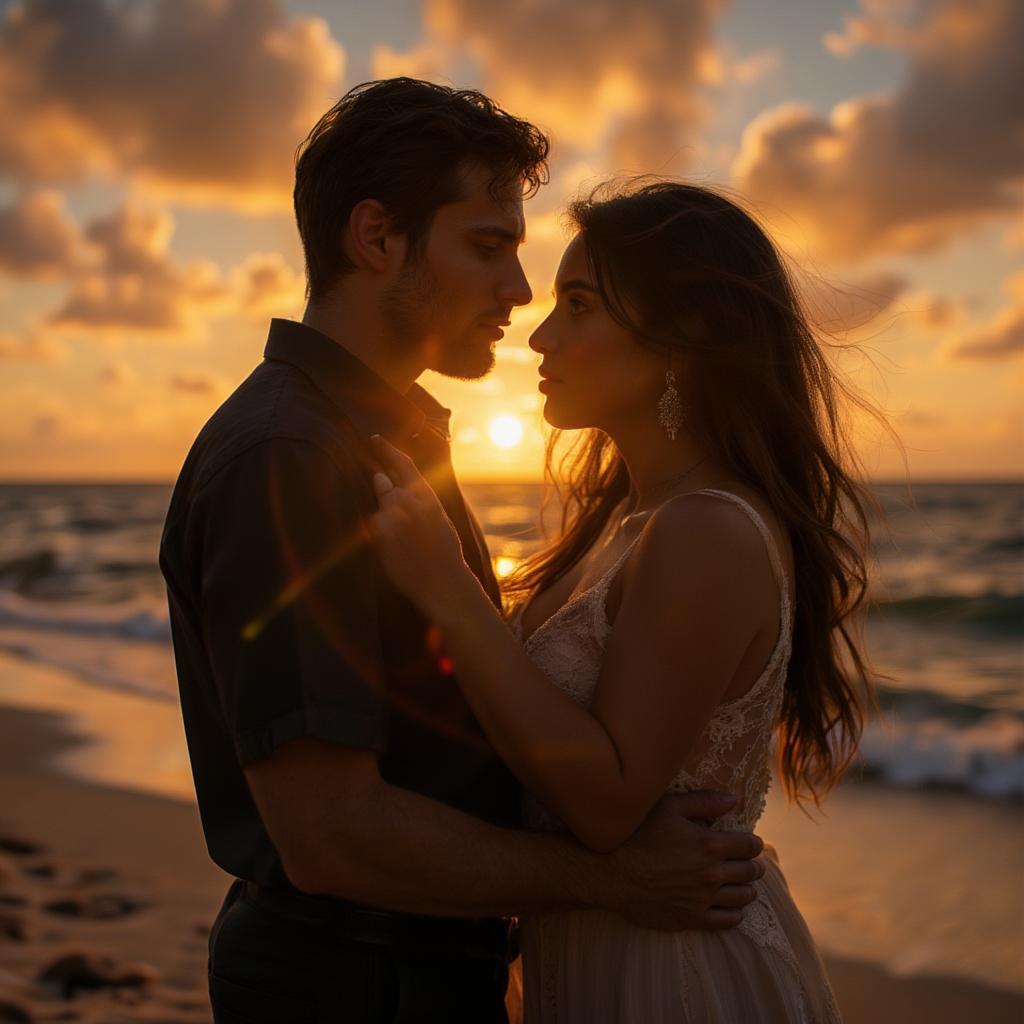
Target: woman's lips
(546,384)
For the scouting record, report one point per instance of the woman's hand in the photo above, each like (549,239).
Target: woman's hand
(417,544)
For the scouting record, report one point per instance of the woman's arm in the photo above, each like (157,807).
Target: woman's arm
(687,615)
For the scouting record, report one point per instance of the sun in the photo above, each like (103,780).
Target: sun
(505,431)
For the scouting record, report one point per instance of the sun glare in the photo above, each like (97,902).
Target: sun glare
(503,565)
(505,431)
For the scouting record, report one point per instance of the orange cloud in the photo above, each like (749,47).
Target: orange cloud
(1003,336)
(623,76)
(904,172)
(266,285)
(37,347)
(206,99)
(838,307)
(37,237)
(136,285)
(194,383)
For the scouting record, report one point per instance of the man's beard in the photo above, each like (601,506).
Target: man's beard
(414,310)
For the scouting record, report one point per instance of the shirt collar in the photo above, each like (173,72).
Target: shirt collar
(372,404)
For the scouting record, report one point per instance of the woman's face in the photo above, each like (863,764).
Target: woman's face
(595,373)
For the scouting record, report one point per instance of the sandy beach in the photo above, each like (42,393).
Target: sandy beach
(106,892)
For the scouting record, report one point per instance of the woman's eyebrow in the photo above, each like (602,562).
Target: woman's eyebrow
(575,285)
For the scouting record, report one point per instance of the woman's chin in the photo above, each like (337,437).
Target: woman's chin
(560,419)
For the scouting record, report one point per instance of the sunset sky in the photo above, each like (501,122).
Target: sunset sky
(146,231)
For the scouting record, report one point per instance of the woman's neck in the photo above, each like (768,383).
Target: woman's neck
(658,466)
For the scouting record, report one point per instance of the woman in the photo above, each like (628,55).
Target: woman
(700,600)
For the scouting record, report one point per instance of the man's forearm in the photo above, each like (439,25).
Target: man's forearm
(402,851)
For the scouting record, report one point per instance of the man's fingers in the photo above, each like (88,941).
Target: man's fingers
(382,483)
(740,872)
(735,895)
(719,918)
(735,845)
(701,804)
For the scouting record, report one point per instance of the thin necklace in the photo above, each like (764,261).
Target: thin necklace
(663,488)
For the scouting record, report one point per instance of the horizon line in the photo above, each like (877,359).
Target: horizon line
(475,481)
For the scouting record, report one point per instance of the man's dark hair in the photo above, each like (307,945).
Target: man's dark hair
(405,143)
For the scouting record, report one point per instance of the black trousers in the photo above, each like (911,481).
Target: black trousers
(265,969)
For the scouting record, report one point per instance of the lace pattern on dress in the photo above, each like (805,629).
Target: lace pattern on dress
(733,751)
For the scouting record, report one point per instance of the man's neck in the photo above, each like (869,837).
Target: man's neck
(360,332)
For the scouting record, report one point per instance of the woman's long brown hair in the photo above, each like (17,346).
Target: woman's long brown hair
(687,270)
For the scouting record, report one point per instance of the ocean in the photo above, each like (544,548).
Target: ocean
(80,590)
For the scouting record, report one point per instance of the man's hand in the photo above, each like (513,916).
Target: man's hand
(676,874)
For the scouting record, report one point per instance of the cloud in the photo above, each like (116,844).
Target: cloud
(839,307)
(265,285)
(903,172)
(38,239)
(204,99)
(623,76)
(1002,337)
(935,312)
(118,375)
(136,285)
(755,66)
(428,61)
(196,383)
(122,277)
(37,347)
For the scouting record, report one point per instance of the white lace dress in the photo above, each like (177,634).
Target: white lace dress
(588,966)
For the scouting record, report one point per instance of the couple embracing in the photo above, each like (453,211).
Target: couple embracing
(414,774)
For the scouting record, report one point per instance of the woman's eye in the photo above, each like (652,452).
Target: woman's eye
(576,307)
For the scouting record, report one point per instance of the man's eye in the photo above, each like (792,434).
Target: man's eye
(487,250)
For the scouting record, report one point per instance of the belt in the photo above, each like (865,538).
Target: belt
(491,937)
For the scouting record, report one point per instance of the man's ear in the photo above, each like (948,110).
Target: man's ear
(371,242)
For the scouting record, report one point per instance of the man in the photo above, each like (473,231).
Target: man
(341,777)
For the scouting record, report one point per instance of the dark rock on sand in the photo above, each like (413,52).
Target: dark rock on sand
(19,847)
(96,907)
(13,928)
(14,1013)
(41,870)
(77,971)
(91,876)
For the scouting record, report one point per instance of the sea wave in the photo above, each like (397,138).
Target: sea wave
(1002,612)
(139,619)
(985,757)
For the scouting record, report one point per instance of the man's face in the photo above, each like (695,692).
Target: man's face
(453,298)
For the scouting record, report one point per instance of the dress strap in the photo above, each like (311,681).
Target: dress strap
(778,569)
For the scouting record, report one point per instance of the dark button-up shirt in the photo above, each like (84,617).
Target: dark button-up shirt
(284,624)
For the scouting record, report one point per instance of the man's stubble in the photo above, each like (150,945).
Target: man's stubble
(416,311)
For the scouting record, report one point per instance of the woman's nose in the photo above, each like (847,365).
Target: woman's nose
(542,339)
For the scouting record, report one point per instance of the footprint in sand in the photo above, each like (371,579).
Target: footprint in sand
(95,907)
(79,971)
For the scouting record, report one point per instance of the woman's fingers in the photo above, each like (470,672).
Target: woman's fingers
(403,469)
(382,483)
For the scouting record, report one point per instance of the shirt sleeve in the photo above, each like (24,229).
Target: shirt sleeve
(288,600)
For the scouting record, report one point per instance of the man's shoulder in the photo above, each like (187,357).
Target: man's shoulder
(275,406)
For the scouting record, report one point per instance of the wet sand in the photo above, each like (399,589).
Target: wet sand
(102,856)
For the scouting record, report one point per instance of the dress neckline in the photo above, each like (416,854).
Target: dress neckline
(774,557)
(578,595)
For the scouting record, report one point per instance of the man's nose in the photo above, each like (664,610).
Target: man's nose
(515,289)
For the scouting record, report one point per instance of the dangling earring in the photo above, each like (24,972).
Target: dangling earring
(670,409)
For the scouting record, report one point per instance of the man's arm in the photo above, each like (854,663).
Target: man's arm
(344,832)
